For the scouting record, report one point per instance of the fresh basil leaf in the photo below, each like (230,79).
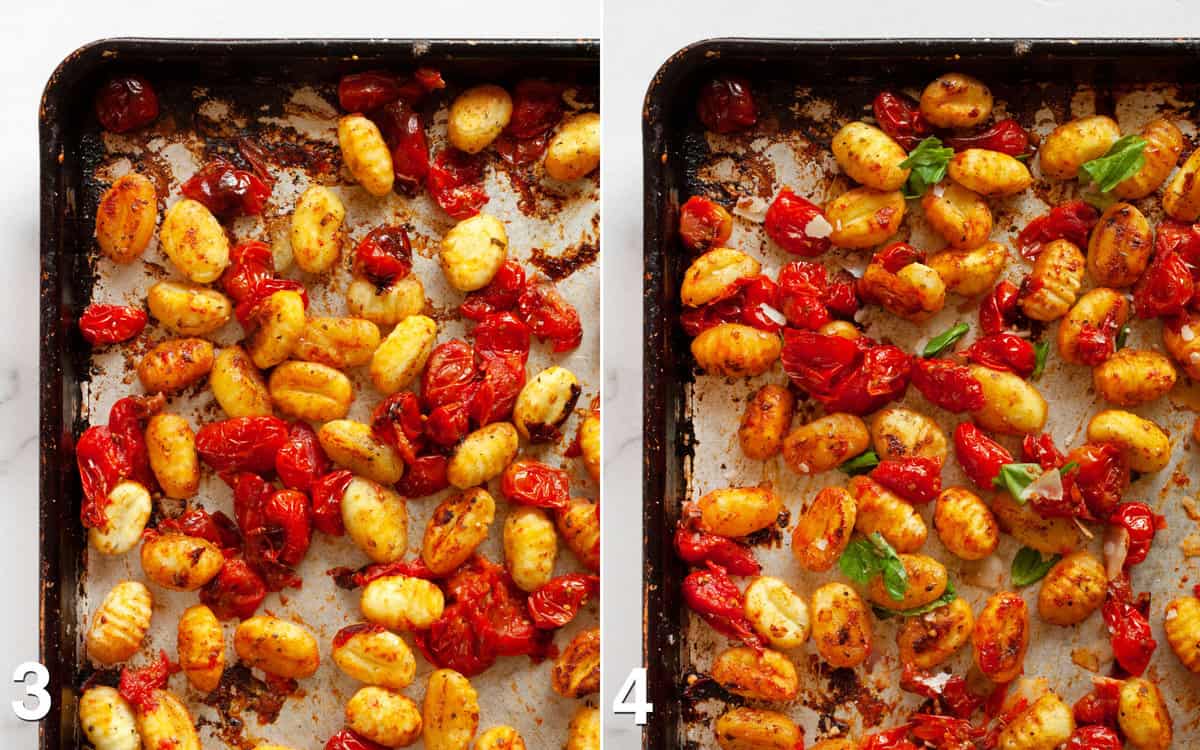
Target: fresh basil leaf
(859,562)
(1122,161)
(945,340)
(928,162)
(860,464)
(1122,336)
(1029,567)
(895,577)
(1068,467)
(950,595)
(1040,351)
(1015,478)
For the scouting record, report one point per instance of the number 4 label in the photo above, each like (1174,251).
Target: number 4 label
(35,690)
(631,698)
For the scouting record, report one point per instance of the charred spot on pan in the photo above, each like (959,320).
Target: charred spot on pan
(697,688)
(240,691)
(771,536)
(559,267)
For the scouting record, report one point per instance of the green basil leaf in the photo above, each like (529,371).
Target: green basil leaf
(1122,161)
(1040,351)
(895,577)
(928,162)
(1029,567)
(1016,477)
(950,595)
(860,464)
(1122,336)
(945,340)
(1068,467)
(859,562)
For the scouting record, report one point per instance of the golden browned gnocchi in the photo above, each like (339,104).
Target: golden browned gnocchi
(108,720)
(970,272)
(477,116)
(1144,445)
(1181,339)
(277,647)
(385,716)
(1055,281)
(1045,725)
(1011,404)
(589,440)
(840,328)
(927,579)
(1001,636)
(956,100)
(175,364)
(745,728)
(401,602)
(841,628)
(898,433)
(194,241)
(238,386)
(577,669)
(365,154)
(316,229)
(1072,590)
(579,524)
(958,215)
(736,350)
(338,342)
(1181,623)
(777,613)
(1119,247)
(759,675)
(824,529)
(712,276)
(201,644)
(351,445)
(120,623)
(128,510)
(544,403)
(457,527)
(500,738)
(530,547)
(583,732)
(401,356)
(1164,144)
(1071,144)
(865,217)
(312,391)
(930,639)
(280,322)
(880,509)
(387,306)
(574,151)
(125,217)
(376,519)
(964,524)
(1181,198)
(1142,715)
(374,656)
(738,511)
(164,721)
(869,156)
(1131,377)
(188,309)
(916,292)
(450,713)
(180,562)
(1051,536)
(825,443)
(989,173)
(1094,309)
(767,417)
(473,251)
(483,455)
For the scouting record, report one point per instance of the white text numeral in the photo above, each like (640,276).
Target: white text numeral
(631,698)
(35,690)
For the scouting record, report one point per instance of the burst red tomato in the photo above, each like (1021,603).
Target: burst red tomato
(1042,451)
(1142,523)
(916,479)
(453,642)
(250,279)
(881,377)
(497,390)
(327,494)
(1100,706)
(425,476)
(711,594)
(126,103)
(111,324)
(502,335)
(536,108)
(237,591)
(797,225)
(703,224)
(999,309)
(1101,479)
(948,385)
(816,362)
(217,528)
(127,423)
(901,119)
(1006,136)
(1094,738)
(446,425)
(550,317)
(529,482)
(398,421)
(897,255)
(725,104)
(1172,236)
(1004,351)
(953,692)
(890,739)
(556,603)
(226,190)
(139,685)
(300,461)
(697,547)
(455,181)
(803,288)
(345,739)
(242,443)
(403,129)
(979,455)
(1129,631)
(288,515)
(1071,221)
(500,295)
(1097,343)
(101,466)
(384,255)
(363,92)
(1165,288)
(449,375)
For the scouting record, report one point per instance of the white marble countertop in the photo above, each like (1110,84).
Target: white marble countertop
(37,37)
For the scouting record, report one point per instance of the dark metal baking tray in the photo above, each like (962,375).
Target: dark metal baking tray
(68,144)
(851,71)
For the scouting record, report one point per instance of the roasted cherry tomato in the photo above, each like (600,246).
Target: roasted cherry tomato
(890,739)
(1101,479)
(841,297)
(817,362)
(999,309)
(1178,237)
(226,190)
(242,443)
(501,335)
(711,594)
(137,685)
(345,739)
(725,104)
(1129,631)
(703,224)
(126,103)
(1071,221)
(948,385)
(1004,351)
(111,324)
(102,465)
(1042,451)
(287,513)
(455,181)
(1094,738)
(237,591)
(1097,343)
(453,642)
(350,579)
(327,494)
(1006,136)
(500,295)
(398,421)
(1165,288)
(536,108)
(802,290)
(301,460)
(250,279)
(217,528)
(363,92)
(497,391)
(550,316)
(797,225)
(1100,706)
(425,476)
(916,479)
(953,693)
(881,377)
(901,119)
(1142,523)
(529,482)
(449,375)
(447,425)
(556,603)
(403,129)
(384,255)
(897,255)
(979,455)
(697,547)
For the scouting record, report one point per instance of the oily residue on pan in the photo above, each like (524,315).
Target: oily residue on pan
(792,149)
(240,694)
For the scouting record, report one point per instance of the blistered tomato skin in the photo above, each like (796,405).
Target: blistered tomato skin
(726,105)
(126,103)
(703,224)
(797,225)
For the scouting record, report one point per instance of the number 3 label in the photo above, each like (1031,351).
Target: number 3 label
(35,690)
